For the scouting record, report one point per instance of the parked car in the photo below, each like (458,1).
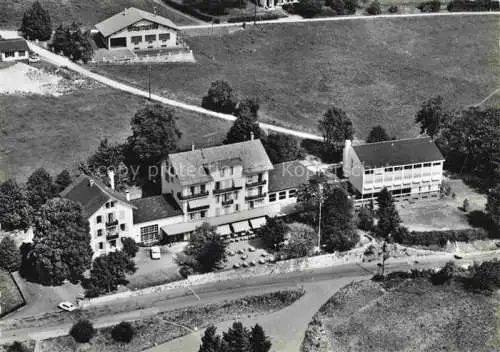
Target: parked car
(251,249)
(155,252)
(244,256)
(230,252)
(244,264)
(253,263)
(240,251)
(236,265)
(33,58)
(458,256)
(67,306)
(262,261)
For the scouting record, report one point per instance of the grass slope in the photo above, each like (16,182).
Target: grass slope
(378,70)
(87,12)
(11,297)
(57,132)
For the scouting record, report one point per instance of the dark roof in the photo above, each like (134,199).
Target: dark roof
(16,44)
(290,174)
(91,198)
(398,152)
(154,208)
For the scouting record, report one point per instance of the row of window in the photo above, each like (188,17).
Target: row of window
(198,215)
(149,234)
(143,28)
(150,38)
(292,193)
(21,53)
(123,227)
(112,244)
(407,167)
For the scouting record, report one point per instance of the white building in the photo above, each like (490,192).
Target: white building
(110,214)
(138,30)
(14,50)
(407,167)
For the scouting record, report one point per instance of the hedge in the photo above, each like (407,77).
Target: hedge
(189,10)
(427,238)
(430,6)
(467,5)
(251,18)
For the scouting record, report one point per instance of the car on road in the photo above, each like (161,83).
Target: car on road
(67,306)
(262,261)
(33,58)
(244,264)
(251,249)
(458,256)
(236,265)
(155,252)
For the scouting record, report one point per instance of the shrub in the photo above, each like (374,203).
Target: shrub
(123,332)
(365,219)
(130,247)
(17,347)
(369,251)
(445,188)
(251,18)
(444,275)
(393,9)
(308,8)
(427,238)
(374,8)
(430,6)
(467,5)
(82,331)
(486,277)
(466,205)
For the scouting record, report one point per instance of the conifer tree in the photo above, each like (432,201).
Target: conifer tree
(388,216)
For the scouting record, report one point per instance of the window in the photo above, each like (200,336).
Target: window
(203,214)
(217,185)
(436,164)
(417,166)
(368,172)
(107,205)
(151,38)
(99,233)
(164,37)
(122,227)
(22,53)
(192,216)
(292,193)
(136,40)
(111,217)
(388,169)
(202,189)
(272,197)
(282,195)
(9,54)
(223,172)
(112,204)
(192,189)
(101,245)
(143,28)
(112,243)
(397,168)
(98,219)
(231,171)
(427,164)
(149,234)
(236,207)
(408,167)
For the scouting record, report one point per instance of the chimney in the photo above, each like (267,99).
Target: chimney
(192,147)
(124,11)
(111,175)
(127,194)
(251,136)
(91,182)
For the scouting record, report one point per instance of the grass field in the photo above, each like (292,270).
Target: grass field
(414,315)
(378,70)
(57,132)
(11,297)
(87,12)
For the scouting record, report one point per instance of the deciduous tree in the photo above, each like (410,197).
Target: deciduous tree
(281,148)
(301,242)
(130,247)
(377,134)
(123,332)
(388,216)
(62,181)
(10,256)
(15,210)
(220,98)
(431,116)
(36,23)
(17,347)
(308,8)
(335,127)
(40,188)
(109,271)
(493,205)
(82,331)
(365,219)
(273,233)
(245,124)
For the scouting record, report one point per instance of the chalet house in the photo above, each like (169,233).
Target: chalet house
(407,168)
(110,214)
(138,30)
(14,50)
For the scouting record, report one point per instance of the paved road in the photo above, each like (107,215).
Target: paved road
(148,305)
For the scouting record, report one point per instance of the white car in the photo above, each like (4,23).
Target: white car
(67,306)
(155,252)
(33,58)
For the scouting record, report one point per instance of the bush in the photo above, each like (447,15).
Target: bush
(365,219)
(82,331)
(430,6)
(374,8)
(17,347)
(123,332)
(485,278)
(466,205)
(308,8)
(444,275)
(427,238)
(467,5)
(189,10)
(251,18)
(393,9)
(369,251)
(130,247)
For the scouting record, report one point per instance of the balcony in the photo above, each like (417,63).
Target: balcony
(192,196)
(111,223)
(256,183)
(227,202)
(112,236)
(226,190)
(257,196)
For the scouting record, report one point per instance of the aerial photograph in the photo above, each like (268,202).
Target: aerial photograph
(249,175)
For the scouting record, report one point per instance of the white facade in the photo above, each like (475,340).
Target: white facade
(13,55)
(149,232)
(143,35)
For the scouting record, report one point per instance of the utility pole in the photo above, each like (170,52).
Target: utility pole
(320,193)
(255,13)
(149,82)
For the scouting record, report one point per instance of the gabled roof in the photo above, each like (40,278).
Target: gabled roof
(287,175)
(127,18)
(194,167)
(398,152)
(154,208)
(16,44)
(91,197)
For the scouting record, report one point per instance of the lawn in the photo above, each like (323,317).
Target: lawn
(88,12)
(378,70)
(58,132)
(11,298)
(413,315)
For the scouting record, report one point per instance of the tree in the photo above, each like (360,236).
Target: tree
(36,23)
(220,98)
(365,219)
(109,271)
(335,127)
(281,148)
(154,136)
(377,134)
(273,233)
(10,256)
(493,205)
(62,181)
(40,188)
(17,347)
(258,340)
(246,123)
(302,241)
(15,211)
(123,332)
(82,331)
(338,6)
(237,338)
(337,226)
(431,116)
(350,6)
(73,43)
(61,42)
(388,217)
(210,342)
(61,244)
(374,8)
(130,247)
(206,248)
(308,8)
(108,157)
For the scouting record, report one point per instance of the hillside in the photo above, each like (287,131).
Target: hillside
(86,12)
(378,70)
